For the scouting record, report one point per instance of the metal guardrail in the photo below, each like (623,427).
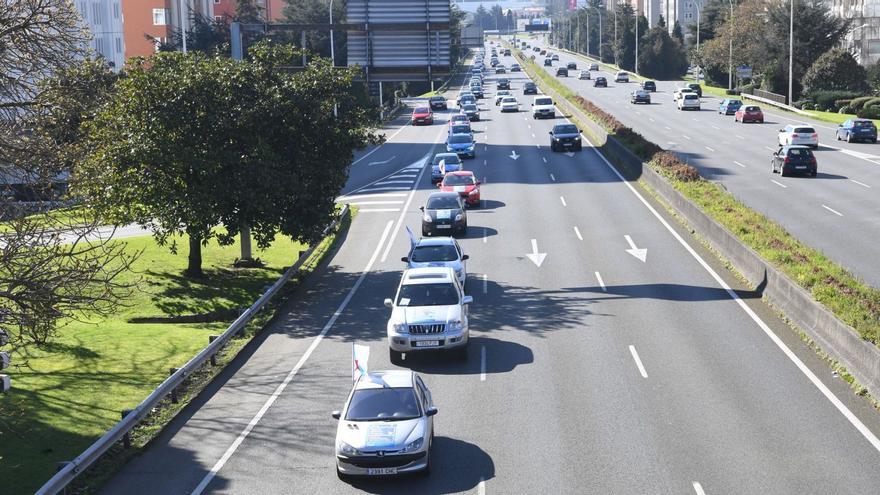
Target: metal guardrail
(74,468)
(767,95)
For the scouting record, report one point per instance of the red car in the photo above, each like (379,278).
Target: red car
(422,115)
(749,113)
(464,183)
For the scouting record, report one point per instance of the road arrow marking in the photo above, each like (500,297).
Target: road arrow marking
(536,257)
(570,154)
(514,155)
(641,254)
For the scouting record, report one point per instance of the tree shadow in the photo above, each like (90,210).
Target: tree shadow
(663,292)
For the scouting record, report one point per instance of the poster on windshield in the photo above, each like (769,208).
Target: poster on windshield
(360,356)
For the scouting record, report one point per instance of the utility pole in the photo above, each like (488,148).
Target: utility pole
(183,6)
(333,55)
(637,43)
(790,51)
(588,29)
(730,61)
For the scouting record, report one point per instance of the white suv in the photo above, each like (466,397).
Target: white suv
(543,108)
(689,101)
(429,312)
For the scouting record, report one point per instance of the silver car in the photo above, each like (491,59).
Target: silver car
(386,427)
(437,251)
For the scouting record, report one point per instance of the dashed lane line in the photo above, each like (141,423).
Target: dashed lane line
(635,355)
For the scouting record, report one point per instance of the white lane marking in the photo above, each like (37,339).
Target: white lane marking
(638,112)
(686,137)
(538,146)
(832,210)
(716,127)
(779,184)
(412,194)
(699,488)
(840,406)
(383,162)
(740,164)
(649,118)
(292,373)
(377,148)
(485,234)
(695,119)
(601,282)
(577,232)
(485,148)
(710,149)
(371,196)
(530,126)
(544,158)
(861,183)
(533,136)
(377,210)
(635,355)
(484,162)
(740,137)
(398,181)
(485,283)
(563,200)
(361,203)
(481,488)
(552,177)
(667,127)
(769,149)
(386,188)
(366,187)
(483,364)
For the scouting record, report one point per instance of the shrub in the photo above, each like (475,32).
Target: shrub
(845,109)
(842,103)
(835,69)
(858,103)
(668,164)
(825,100)
(873,102)
(734,91)
(869,113)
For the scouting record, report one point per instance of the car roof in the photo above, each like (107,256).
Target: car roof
(436,241)
(428,275)
(796,146)
(461,172)
(389,378)
(443,194)
(445,155)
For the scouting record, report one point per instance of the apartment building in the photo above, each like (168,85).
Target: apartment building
(148,22)
(864,38)
(103,18)
(272,9)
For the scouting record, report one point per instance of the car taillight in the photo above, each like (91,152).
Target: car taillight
(787,160)
(814,135)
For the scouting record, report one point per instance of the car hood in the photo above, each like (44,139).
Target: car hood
(370,436)
(413,315)
(543,107)
(563,135)
(459,146)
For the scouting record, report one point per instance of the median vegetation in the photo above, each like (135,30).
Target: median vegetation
(848,297)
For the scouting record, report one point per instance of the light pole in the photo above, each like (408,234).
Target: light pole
(601,6)
(588,29)
(183,24)
(616,48)
(730,60)
(790,50)
(333,56)
(637,44)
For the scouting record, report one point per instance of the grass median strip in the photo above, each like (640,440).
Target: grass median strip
(849,298)
(68,393)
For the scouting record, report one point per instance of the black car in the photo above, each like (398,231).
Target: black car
(444,213)
(572,66)
(477,91)
(561,72)
(503,84)
(548,62)
(649,86)
(565,137)
(696,88)
(471,110)
(530,88)
(507,52)
(793,159)
(600,82)
(437,102)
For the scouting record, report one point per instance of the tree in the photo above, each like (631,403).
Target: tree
(661,22)
(677,34)
(836,69)
(247,11)
(873,77)
(205,35)
(712,15)
(203,146)
(482,17)
(661,56)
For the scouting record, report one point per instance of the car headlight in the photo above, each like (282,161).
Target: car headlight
(426,218)
(458,217)
(577,138)
(347,449)
(455,326)
(414,445)
(556,139)
(399,328)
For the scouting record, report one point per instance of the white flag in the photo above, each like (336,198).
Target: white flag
(443,167)
(360,356)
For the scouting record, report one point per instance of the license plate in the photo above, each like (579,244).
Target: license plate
(566,144)
(381,471)
(800,167)
(427,343)
(444,226)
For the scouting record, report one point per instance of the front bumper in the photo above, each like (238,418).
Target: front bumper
(544,114)
(423,121)
(465,153)
(642,100)
(360,465)
(405,342)
(444,227)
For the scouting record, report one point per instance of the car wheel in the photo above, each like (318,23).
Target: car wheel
(580,147)
(849,138)
(396,357)
(815,173)
(837,135)
(782,171)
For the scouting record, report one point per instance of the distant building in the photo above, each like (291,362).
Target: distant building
(103,18)
(864,39)
(273,9)
(148,22)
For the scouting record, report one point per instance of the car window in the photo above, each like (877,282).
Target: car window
(422,110)
(565,129)
(443,294)
(470,107)
(460,129)
(863,123)
(460,138)
(377,404)
(752,109)
(804,130)
(543,101)
(448,157)
(799,152)
(509,99)
(458,180)
(691,97)
(425,254)
(424,391)
(442,202)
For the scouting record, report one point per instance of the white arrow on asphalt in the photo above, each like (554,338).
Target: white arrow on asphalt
(570,154)
(536,257)
(514,155)
(641,254)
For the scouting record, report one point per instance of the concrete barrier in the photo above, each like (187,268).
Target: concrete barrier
(839,340)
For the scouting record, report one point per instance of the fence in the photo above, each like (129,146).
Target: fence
(130,419)
(767,95)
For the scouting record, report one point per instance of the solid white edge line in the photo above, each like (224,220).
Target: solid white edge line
(601,282)
(832,210)
(577,232)
(635,355)
(481,488)
(483,363)
(361,203)
(861,183)
(290,375)
(699,488)
(856,422)
(377,148)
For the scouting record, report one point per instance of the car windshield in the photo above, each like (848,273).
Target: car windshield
(691,97)
(458,180)
(530,85)
(450,158)
(425,254)
(442,294)
(460,138)
(543,101)
(422,110)
(503,92)
(799,152)
(804,130)
(565,129)
(438,98)
(470,107)
(383,404)
(461,129)
(445,202)
(752,109)
(863,123)
(509,99)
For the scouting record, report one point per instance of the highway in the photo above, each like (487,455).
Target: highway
(834,212)
(595,372)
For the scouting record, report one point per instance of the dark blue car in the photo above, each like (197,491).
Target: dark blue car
(857,130)
(450,161)
(729,106)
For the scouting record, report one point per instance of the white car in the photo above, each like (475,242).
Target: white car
(584,74)
(386,427)
(509,104)
(500,94)
(437,251)
(689,101)
(621,76)
(428,313)
(542,108)
(799,134)
(679,92)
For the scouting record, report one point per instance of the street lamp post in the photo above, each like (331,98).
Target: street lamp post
(588,30)
(790,50)
(637,44)
(600,31)
(183,24)
(333,57)
(730,60)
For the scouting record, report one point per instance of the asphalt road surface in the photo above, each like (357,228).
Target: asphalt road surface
(835,212)
(596,372)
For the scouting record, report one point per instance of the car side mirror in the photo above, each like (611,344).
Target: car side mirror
(404,259)
(839,125)
(422,208)
(479,182)
(336,414)
(467,300)
(781,130)
(551,133)
(388,303)
(465,258)
(431,411)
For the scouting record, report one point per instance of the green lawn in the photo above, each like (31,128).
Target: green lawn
(67,394)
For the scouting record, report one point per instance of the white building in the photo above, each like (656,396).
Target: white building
(864,39)
(104,20)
